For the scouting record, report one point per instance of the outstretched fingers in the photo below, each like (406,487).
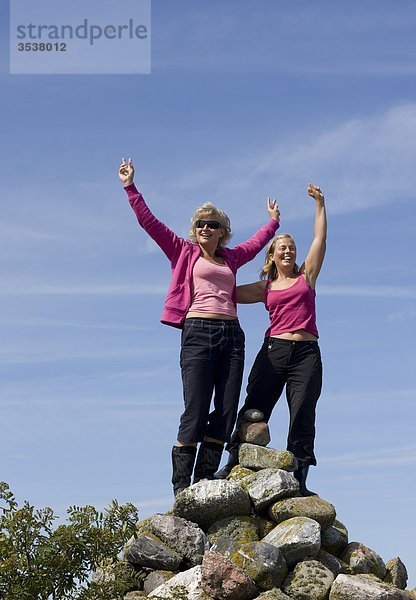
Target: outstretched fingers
(126,171)
(273,208)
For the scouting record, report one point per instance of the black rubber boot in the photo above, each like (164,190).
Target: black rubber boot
(226,470)
(301,474)
(208,460)
(183,459)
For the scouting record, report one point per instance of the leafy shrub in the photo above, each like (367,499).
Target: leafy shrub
(41,562)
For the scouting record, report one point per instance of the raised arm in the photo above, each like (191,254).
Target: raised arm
(316,254)
(246,251)
(251,292)
(164,237)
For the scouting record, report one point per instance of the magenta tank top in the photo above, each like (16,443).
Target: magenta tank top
(291,309)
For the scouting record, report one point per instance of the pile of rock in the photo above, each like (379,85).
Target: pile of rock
(253,536)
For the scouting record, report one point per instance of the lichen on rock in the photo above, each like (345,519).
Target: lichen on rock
(363,560)
(245,555)
(309,579)
(313,507)
(242,529)
(209,501)
(257,457)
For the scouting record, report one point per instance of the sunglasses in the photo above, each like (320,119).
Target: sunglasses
(200,224)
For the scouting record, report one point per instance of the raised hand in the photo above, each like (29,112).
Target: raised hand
(315,192)
(126,172)
(273,209)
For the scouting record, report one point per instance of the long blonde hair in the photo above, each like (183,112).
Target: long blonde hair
(269,269)
(210,211)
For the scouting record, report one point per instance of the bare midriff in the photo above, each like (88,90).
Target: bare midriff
(199,315)
(296,336)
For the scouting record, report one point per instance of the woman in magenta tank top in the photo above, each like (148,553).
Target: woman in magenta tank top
(290,353)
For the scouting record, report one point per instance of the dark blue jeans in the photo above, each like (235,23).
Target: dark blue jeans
(212,363)
(298,366)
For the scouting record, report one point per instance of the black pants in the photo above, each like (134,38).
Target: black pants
(212,361)
(299,366)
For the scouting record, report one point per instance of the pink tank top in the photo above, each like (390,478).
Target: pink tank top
(291,309)
(213,285)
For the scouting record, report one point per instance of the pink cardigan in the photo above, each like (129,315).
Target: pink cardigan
(183,255)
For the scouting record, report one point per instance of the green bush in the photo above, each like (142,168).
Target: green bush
(41,562)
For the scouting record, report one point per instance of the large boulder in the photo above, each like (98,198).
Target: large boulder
(396,573)
(269,485)
(334,564)
(362,559)
(309,579)
(185,537)
(210,501)
(223,580)
(335,539)
(226,546)
(148,551)
(257,457)
(265,526)
(364,587)
(241,529)
(263,562)
(297,538)
(310,506)
(186,585)
(238,473)
(274,594)
(155,579)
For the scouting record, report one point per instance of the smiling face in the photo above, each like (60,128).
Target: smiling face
(206,236)
(209,212)
(284,254)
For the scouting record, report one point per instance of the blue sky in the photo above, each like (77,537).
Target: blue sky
(245,100)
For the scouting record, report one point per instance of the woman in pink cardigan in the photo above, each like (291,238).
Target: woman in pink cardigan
(201,301)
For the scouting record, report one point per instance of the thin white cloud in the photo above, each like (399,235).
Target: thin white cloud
(148,508)
(110,403)
(166,501)
(392,457)
(36,354)
(70,324)
(361,163)
(10,234)
(46,389)
(279,38)
(401,315)
(163,372)
(382,396)
(22,288)
(10,287)
(367,291)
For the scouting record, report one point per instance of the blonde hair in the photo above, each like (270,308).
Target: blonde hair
(209,211)
(269,269)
